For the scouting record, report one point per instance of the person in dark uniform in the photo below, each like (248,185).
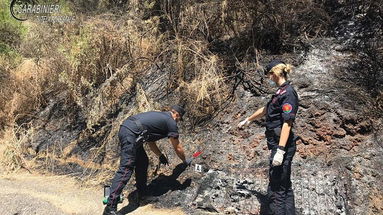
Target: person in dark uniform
(134,131)
(280,114)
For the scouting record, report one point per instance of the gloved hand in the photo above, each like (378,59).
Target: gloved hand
(163,159)
(278,157)
(188,161)
(244,123)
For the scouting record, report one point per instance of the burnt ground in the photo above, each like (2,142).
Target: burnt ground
(338,172)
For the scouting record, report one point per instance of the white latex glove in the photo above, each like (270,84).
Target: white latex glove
(278,157)
(244,123)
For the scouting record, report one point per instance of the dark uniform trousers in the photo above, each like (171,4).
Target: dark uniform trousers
(280,193)
(132,157)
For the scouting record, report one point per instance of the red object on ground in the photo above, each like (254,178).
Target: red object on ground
(196,154)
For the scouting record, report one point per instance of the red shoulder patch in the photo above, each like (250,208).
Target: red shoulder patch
(287,108)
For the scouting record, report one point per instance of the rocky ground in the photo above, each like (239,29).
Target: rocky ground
(331,174)
(337,168)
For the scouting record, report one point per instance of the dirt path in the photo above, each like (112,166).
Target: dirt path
(26,194)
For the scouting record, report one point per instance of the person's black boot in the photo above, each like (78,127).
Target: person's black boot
(111,210)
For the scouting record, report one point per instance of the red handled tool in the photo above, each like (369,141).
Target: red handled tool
(197,154)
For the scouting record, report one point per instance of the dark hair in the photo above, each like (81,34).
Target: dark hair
(179,109)
(271,65)
(278,67)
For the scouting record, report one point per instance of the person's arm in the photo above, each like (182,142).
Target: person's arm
(153,146)
(178,148)
(285,132)
(256,115)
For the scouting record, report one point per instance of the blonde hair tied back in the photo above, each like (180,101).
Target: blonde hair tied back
(282,69)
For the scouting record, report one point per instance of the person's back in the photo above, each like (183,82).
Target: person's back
(158,124)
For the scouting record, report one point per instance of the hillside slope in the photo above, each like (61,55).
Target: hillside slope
(66,88)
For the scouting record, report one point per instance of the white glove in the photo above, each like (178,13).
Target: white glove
(244,123)
(278,157)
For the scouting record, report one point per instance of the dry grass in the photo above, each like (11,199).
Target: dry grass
(94,55)
(98,62)
(29,80)
(13,148)
(271,25)
(105,98)
(31,76)
(206,93)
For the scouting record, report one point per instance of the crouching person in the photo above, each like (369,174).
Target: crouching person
(134,132)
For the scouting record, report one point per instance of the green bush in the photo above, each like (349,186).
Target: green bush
(11,30)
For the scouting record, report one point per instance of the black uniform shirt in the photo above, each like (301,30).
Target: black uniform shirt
(282,107)
(158,124)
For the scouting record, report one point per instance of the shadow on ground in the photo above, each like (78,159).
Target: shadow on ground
(158,187)
(263,199)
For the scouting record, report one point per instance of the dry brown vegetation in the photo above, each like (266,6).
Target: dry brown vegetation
(93,67)
(81,56)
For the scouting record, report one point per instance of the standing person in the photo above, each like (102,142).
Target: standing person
(280,114)
(135,130)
